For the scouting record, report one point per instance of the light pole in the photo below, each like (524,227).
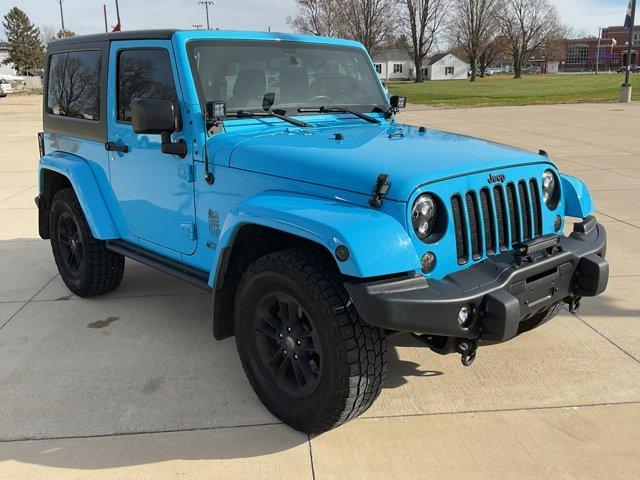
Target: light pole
(61,15)
(206,4)
(598,51)
(625,93)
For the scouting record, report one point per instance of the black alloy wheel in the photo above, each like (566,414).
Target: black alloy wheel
(288,345)
(71,247)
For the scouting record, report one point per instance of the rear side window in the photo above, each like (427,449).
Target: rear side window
(74,85)
(144,73)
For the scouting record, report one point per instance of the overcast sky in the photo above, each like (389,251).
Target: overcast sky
(85,16)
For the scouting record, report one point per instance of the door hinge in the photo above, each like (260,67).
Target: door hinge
(185,171)
(188,230)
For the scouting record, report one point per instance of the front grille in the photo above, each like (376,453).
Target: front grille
(489,221)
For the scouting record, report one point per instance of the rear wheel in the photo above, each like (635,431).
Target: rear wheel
(311,359)
(85,264)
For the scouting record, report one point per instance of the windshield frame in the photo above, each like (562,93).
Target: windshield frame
(194,43)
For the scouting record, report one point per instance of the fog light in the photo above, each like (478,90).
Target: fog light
(557,223)
(428,262)
(463,316)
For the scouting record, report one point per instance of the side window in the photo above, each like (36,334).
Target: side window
(74,85)
(144,73)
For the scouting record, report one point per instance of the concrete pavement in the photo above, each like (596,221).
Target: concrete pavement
(132,385)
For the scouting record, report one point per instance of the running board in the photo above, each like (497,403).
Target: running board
(191,275)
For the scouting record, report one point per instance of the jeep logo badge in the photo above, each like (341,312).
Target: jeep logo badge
(499,178)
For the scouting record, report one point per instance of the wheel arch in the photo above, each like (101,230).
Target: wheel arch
(250,242)
(274,221)
(61,170)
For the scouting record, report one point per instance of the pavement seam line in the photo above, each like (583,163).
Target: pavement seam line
(313,471)
(500,410)
(617,219)
(127,297)
(16,194)
(606,338)
(374,417)
(28,301)
(144,432)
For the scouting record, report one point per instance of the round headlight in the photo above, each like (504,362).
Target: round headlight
(548,187)
(423,215)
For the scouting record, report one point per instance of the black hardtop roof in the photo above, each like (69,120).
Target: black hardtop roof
(126,35)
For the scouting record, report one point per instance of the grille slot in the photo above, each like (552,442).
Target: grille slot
(525,208)
(535,207)
(501,214)
(460,228)
(474,225)
(514,215)
(489,221)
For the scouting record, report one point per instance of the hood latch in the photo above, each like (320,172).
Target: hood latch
(380,190)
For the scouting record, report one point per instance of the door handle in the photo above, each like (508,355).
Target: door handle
(114,147)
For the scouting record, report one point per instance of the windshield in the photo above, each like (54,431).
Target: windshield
(247,75)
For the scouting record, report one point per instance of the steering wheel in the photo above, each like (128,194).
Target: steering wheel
(324,99)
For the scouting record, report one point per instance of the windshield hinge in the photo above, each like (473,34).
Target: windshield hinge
(185,172)
(188,230)
(380,190)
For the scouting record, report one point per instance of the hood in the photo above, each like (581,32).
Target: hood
(411,158)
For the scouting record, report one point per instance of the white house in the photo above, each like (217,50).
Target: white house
(4,53)
(394,65)
(446,66)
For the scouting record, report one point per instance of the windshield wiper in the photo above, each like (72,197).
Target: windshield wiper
(272,113)
(325,109)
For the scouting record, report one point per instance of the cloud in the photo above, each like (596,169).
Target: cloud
(590,14)
(85,16)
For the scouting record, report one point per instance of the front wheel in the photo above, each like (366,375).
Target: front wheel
(310,358)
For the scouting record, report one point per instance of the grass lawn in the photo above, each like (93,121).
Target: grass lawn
(504,90)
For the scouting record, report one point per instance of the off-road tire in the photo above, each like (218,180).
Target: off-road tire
(354,354)
(101,269)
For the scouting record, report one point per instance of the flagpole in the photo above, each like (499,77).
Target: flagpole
(118,14)
(625,92)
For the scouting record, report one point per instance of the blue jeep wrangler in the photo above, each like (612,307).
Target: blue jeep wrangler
(269,169)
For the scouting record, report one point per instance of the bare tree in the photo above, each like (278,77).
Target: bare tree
(490,53)
(318,17)
(526,25)
(47,34)
(371,22)
(473,26)
(422,21)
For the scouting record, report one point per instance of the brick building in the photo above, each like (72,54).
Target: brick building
(581,54)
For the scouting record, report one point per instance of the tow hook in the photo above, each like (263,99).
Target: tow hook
(574,304)
(467,350)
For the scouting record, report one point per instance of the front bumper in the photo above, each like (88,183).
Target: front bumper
(501,292)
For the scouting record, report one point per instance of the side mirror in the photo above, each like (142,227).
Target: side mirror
(398,102)
(157,116)
(153,115)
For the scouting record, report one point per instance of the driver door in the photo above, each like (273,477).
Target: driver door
(156,199)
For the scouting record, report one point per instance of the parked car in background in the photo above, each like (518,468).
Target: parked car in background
(5,88)
(634,69)
(270,170)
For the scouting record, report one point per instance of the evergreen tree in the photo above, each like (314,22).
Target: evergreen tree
(25,48)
